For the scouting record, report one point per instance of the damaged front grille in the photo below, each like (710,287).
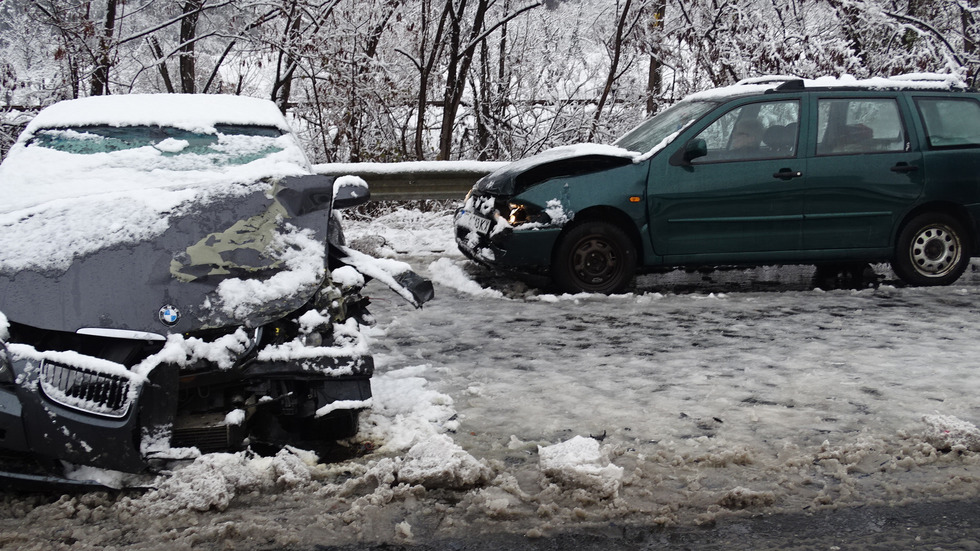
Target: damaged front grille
(85,390)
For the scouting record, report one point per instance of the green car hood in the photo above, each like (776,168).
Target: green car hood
(514,178)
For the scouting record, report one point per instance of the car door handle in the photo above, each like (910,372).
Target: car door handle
(904,168)
(787,174)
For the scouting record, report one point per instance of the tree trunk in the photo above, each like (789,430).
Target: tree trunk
(459,64)
(655,75)
(426,67)
(161,63)
(188,34)
(103,62)
(969,46)
(286,68)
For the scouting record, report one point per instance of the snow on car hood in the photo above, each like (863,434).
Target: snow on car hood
(503,181)
(211,260)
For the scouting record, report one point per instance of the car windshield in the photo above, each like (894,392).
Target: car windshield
(228,145)
(656,129)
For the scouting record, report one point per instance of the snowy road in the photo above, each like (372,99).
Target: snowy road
(696,400)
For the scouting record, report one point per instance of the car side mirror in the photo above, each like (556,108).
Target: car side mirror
(694,149)
(350,191)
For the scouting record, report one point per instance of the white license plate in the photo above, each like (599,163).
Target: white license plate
(479,224)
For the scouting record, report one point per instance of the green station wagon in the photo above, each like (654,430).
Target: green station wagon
(830,172)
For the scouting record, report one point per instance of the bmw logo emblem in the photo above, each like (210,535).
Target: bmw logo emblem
(169,315)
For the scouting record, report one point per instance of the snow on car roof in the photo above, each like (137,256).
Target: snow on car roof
(62,204)
(194,112)
(911,81)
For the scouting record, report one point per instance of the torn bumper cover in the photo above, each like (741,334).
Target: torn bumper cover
(59,407)
(484,236)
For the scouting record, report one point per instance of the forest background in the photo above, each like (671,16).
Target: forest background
(404,80)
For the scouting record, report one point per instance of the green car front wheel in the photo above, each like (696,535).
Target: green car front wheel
(594,257)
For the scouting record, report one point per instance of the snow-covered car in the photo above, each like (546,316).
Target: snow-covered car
(778,170)
(173,281)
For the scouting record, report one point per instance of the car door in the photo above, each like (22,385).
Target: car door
(741,199)
(951,126)
(865,171)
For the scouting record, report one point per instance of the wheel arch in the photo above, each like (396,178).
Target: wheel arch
(952,209)
(608,214)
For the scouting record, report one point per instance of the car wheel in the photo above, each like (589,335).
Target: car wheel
(932,249)
(594,257)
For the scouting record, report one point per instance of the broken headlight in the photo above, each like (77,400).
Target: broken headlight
(520,214)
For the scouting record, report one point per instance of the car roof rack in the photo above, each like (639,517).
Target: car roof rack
(918,81)
(769,79)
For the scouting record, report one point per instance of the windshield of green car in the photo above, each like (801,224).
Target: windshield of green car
(656,129)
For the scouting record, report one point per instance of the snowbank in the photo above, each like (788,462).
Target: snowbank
(580,462)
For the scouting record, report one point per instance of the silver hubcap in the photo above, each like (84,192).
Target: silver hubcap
(935,251)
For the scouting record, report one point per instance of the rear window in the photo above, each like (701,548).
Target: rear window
(950,122)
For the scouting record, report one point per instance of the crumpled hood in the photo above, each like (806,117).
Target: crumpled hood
(247,256)
(511,179)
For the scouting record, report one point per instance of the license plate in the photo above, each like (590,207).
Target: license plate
(480,225)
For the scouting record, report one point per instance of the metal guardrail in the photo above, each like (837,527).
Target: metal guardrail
(414,180)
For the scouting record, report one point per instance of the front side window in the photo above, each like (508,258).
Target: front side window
(859,125)
(950,123)
(767,130)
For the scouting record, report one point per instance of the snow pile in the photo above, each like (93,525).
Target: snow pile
(449,273)
(402,232)
(405,411)
(212,481)
(948,433)
(438,462)
(581,462)
(406,416)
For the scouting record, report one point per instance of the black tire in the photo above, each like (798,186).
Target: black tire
(594,257)
(932,249)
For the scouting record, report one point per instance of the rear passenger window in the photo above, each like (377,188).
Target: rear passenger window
(847,126)
(950,122)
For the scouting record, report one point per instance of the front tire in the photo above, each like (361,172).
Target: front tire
(932,249)
(594,257)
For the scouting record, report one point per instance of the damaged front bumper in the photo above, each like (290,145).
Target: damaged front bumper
(514,249)
(67,407)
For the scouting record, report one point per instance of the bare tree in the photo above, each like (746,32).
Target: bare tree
(655,72)
(191,12)
(104,52)
(626,23)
